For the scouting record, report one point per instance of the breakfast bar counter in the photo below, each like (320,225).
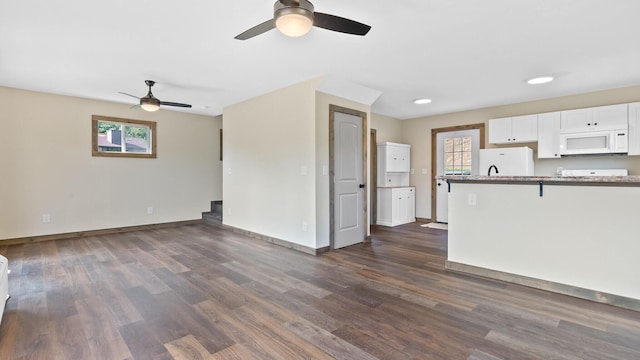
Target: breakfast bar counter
(556,180)
(573,235)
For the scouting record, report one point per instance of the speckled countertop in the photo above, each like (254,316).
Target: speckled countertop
(559,180)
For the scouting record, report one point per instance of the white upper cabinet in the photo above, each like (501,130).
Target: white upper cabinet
(394,164)
(611,117)
(634,128)
(549,135)
(512,130)
(397,157)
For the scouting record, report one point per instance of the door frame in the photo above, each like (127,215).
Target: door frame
(434,154)
(363,115)
(373,194)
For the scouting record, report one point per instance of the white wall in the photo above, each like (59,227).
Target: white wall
(417,132)
(584,236)
(46,167)
(267,142)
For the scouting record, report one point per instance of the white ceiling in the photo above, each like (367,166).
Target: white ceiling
(463,54)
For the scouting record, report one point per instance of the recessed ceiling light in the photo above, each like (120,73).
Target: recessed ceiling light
(540,80)
(421,101)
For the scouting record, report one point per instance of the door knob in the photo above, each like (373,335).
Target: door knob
(361,186)
(439,184)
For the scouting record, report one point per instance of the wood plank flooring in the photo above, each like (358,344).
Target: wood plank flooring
(199,292)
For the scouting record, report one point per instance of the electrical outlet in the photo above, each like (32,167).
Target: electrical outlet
(559,170)
(46,218)
(471,199)
(149,210)
(304,226)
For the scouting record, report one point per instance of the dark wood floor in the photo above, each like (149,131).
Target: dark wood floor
(200,292)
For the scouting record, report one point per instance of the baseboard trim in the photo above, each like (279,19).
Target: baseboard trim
(78,234)
(582,293)
(276,241)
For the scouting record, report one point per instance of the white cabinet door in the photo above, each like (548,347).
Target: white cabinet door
(512,130)
(634,128)
(610,117)
(411,204)
(549,135)
(500,131)
(524,128)
(399,205)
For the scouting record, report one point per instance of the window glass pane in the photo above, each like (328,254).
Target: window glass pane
(466,143)
(458,156)
(448,163)
(448,145)
(457,144)
(109,137)
(136,139)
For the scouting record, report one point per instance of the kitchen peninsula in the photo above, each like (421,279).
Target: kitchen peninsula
(573,235)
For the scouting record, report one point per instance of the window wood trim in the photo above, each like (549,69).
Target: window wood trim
(94,137)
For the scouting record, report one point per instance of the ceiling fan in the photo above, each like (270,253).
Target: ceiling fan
(152,103)
(295,18)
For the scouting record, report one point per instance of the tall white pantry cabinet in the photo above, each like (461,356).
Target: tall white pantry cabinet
(396,199)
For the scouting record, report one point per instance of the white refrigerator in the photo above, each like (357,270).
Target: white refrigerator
(515,161)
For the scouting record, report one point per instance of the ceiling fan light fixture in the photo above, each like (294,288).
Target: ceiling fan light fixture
(294,21)
(150,104)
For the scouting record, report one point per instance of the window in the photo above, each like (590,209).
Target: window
(457,155)
(123,137)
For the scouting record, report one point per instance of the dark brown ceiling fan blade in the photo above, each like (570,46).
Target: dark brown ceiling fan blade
(168,103)
(257,30)
(340,24)
(124,93)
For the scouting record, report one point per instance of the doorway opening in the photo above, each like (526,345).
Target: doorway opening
(455,159)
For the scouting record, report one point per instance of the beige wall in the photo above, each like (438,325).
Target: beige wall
(268,141)
(46,167)
(417,132)
(387,128)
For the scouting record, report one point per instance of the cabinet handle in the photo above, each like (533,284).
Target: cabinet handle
(595,123)
(588,124)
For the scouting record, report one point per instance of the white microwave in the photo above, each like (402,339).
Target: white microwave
(596,142)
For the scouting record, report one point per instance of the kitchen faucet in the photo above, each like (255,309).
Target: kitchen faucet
(492,167)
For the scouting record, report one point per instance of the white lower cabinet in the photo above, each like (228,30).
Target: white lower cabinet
(396,205)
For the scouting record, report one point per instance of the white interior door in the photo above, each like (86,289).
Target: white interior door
(348,181)
(457,154)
